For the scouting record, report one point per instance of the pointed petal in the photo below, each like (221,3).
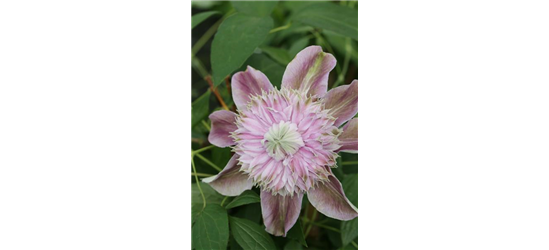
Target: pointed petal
(223,123)
(342,102)
(349,138)
(309,71)
(247,83)
(280,212)
(230,181)
(329,199)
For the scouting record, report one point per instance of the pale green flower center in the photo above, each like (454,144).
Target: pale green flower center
(282,139)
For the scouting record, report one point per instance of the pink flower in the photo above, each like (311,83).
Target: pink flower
(286,141)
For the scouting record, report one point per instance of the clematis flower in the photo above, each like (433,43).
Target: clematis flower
(287,140)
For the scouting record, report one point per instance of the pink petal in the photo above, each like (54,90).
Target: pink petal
(342,102)
(349,138)
(230,181)
(223,123)
(280,212)
(309,71)
(247,83)
(329,199)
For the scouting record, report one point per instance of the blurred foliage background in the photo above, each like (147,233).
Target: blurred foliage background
(226,37)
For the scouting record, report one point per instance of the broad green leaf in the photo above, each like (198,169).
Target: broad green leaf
(251,212)
(349,231)
(270,68)
(200,108)
(280,55)
(211,228)
(350,186)
(200,17)
(296,233)
(194,211)
(255,8)
(297,46)
(334,17)
(250,235)
(236,39)
(247,197)
(212,196)
(297,5)
(350,161)
(293,245)
(339,43)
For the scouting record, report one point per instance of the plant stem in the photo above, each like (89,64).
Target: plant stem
(208,34)
(216,93)
(208,162)
(349,163)
(202,149)
(348,50)
(206,125)
(310,226)
(320,225)
(198,66)
(202,174)
(354,244)
(281,28)
(224,199)
(198,183)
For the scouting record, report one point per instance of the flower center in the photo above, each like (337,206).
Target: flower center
(282,139)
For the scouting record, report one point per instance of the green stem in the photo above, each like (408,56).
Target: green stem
(206,125)
(208,162)
(348,50)
(198,66)
(202,174)
(224,199)
(354,244)
(310,226)
(202,149)
(320,225)
(198,183)
(281,28)
(208,34)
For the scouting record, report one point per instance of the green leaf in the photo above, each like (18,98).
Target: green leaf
(200,17)
(350,186)
(334,17)
(211,228)
(247,197)
(273,70)
(293,245)
(255,8)
(339,44)
(250,235)
(249,212)
(221,156)
(298,46)
(194,211)
(296,233)
(236,39)
(212,197)
(280,55)
(349,231)
(200,108)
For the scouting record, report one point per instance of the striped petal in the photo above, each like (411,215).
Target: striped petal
(349,138)
(329,199)
(342,102)
(247,83)
(230,181)
(280,212)
(309,71)
(223,123)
